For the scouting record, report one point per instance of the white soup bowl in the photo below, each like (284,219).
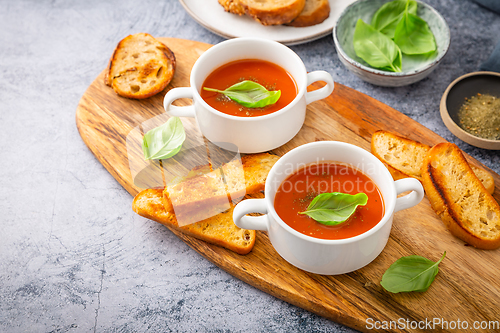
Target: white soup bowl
(324,256)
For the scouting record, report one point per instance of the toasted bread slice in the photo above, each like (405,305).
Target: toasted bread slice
(404,157)
(314,12)
(255,168)
(198,198)
(459,197)
(140,67)
(266,12)
(232,6)
(219,229)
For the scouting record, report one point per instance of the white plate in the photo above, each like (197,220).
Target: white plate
(211,15)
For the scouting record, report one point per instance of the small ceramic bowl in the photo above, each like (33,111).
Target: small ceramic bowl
(415,68)
(454,96)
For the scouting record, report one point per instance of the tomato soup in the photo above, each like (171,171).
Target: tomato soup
(267,74)
(296,193)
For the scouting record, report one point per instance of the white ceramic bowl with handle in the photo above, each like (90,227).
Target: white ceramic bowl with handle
(249,134)
(322,256)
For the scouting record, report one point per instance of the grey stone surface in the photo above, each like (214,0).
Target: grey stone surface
(73,255)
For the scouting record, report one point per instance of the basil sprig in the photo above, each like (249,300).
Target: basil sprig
(164,141)
(334,208)
(376,49)
(395,29)
(250,94)
(386,18)
(412,273)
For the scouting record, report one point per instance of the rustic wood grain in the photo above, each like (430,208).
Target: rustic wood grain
(467,286)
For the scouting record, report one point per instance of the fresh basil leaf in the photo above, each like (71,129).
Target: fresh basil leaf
(375,48)
(386,18)
(164,141)
(250,94)
(413,35)
(412,273)
(334,208)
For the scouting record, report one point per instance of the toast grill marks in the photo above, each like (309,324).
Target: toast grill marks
(460,199)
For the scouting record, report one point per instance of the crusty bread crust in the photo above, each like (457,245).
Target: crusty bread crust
(459,197)
(219,229)
(140,67)
(208,194)
(404,157)
(210,216)
(314,12)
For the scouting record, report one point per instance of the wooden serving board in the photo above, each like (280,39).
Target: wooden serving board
(467,287)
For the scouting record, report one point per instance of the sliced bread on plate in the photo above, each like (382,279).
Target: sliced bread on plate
(207,200)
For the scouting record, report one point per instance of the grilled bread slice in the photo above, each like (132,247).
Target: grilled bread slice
(197,198)
(459,197)
(219,229)
(140,67)
(266,12)
(208,194)
(404,157)
(314,12)
(212,223)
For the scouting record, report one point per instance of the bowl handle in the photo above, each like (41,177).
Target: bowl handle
(251,222)
(323,92)
(178,111)
(411,199)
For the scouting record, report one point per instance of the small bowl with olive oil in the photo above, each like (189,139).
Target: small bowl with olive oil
(470,108)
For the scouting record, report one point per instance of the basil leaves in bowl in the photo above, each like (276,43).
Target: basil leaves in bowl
(373,43)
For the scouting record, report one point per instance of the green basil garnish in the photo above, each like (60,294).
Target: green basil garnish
(386,18)
(395,29)
(334,208)
(413,35)
(376,49)
(164,141)
(250,94)
(412,273)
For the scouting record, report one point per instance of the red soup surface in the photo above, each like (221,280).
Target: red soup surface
(296,193)
(266,73)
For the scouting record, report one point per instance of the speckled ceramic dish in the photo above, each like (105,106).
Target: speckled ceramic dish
(454,96)
(415,68)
